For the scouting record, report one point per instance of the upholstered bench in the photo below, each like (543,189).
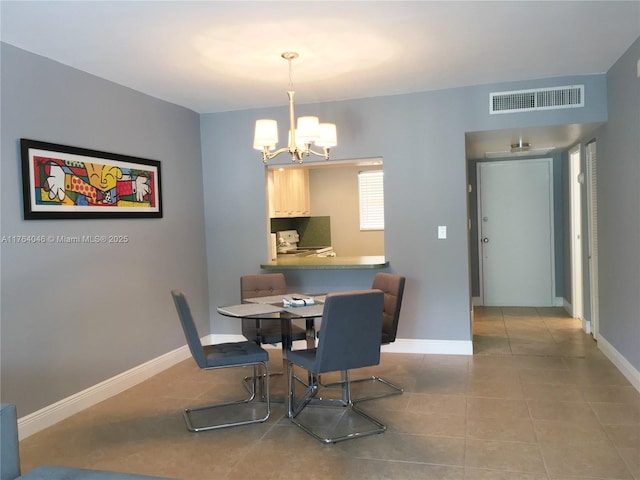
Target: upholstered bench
(10,458)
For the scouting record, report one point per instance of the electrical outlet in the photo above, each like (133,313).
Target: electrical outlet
(442,232)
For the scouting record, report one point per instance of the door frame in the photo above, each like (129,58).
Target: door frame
(592,234)
(576,179)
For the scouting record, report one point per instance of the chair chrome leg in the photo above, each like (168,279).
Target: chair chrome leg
(252,394)
(394,389)
(248,381)
(343,407)
(311,342)
(378,427)
(294,406)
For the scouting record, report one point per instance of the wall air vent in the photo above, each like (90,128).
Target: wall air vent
(537,99)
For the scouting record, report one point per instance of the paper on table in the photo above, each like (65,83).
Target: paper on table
(246,309)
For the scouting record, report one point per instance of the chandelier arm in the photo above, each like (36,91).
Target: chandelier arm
(324,154)
(296,155)
(267,155)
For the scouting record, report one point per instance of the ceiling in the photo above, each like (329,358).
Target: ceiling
(215,56)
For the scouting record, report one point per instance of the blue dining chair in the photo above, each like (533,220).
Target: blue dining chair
(351,332)
(224,355)
(392,286)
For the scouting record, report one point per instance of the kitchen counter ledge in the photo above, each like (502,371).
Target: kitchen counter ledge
(325,263)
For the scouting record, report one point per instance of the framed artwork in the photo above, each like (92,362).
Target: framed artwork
(62,182)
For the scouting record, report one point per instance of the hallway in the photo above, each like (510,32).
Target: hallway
(547,331)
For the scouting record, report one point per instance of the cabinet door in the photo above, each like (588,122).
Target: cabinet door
(277,194)
(289,193)
(299,192)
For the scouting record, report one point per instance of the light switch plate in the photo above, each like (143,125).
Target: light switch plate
(442,231)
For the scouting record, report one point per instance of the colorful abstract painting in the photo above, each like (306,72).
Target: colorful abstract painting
(69,182)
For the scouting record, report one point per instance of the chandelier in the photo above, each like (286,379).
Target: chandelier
(307,132)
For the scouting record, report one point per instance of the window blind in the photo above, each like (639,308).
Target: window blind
(371,198)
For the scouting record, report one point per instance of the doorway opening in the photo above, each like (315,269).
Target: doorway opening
(576,178)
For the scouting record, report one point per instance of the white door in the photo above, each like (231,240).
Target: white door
(515,201)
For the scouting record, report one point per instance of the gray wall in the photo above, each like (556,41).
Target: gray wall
(75,315)
(618,150)
(425,186)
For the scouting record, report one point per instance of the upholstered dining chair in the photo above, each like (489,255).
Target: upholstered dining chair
(266,331)
(224,355)
(393,288)
(351,329)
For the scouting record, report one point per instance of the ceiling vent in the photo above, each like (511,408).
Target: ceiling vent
(537,99)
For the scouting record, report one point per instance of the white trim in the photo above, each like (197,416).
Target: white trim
(586,326)
(476,301)
(621,363)
(51,414)
(425,346)
(219,338)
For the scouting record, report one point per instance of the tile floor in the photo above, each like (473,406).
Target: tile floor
(537,401)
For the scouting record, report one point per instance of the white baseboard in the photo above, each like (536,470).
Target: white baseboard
(217,338)
(51,414)
(621,363)
(435,347)
(476,301)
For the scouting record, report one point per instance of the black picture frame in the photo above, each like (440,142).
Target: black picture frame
(65,182)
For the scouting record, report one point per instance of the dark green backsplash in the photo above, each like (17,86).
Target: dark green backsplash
(314,231)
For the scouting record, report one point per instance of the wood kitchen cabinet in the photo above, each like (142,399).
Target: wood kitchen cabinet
(289,193)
